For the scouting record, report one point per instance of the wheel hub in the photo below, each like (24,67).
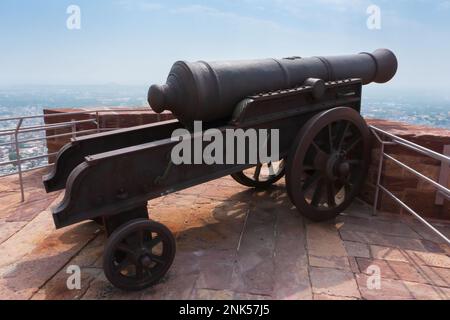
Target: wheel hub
(337,167)
(146,261)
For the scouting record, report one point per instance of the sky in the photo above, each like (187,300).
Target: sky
(135,42)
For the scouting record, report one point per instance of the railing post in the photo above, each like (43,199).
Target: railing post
(443,177)
(19,162)
(380,171)
(97,119)
(74,128)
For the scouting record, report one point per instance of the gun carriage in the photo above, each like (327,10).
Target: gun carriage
(324,150)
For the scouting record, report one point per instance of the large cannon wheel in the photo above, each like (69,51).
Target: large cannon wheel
(138,254)
(328,164)
(262,176)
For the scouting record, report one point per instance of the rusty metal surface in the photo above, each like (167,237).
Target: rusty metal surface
(209,91)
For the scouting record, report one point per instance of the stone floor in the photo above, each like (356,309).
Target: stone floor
(233,243)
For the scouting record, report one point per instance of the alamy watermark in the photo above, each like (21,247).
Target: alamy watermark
(73,22)
(74,280)
(230,146)
(374,19)
(374,278)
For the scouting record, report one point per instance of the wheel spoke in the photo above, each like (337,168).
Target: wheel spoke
(341,135)
(157,259)
(310,181)
(125,249)
(257,172)
(321,157)
(122,265)
(318,149)
(157,240)
(354,144)
(317,194)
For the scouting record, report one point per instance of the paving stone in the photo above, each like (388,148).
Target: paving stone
(291,278)
(435,276)
(24,241)
(354,265)
(387,253)
(101,289)
(357,249)
(427,233)
(215,269)
(51,254)
(429,258)
(325,247)
(224,193)
(28,210)
(389,289)
(397,229)
(393,269)
(383,240)
(333,282)
(422,291)
(205,294)
(325,297)
(434,247)
(248,296)
(8,229)
(56,288)
(92,255)
(254,268)
(179,283)
(216,225)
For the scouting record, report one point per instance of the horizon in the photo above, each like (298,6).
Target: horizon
(135,42)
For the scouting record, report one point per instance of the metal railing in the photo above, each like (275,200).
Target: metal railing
(443,191)
(18,130)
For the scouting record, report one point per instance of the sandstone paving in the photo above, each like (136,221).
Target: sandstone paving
(325,247)
(334,282)
(233,243)
(356,249)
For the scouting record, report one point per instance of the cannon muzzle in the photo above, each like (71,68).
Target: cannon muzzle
(210,91)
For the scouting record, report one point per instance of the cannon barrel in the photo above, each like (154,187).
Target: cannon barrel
(210,91)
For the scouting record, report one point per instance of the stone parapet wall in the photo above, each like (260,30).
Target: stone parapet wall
(419,195)
(118,119)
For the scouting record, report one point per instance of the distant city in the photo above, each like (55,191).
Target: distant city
(379,102)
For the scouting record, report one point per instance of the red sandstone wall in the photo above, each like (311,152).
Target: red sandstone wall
(119,119)
(418,195)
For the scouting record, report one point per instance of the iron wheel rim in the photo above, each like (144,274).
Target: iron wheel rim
(138,255)
(330,164)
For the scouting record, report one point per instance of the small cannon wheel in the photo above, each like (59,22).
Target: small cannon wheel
(261,176)
(328,165)
(138,255)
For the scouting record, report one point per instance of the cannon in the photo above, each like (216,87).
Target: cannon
(313,104)
(210,91)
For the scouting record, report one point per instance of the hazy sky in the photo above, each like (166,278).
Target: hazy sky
(136,41)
